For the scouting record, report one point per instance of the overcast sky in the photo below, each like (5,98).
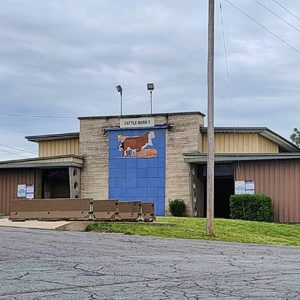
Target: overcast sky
(64,58)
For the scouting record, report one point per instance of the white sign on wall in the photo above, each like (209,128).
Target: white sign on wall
(244,187)
(21,193)
(30,191)
(239,187)
(136,122)
(250,187)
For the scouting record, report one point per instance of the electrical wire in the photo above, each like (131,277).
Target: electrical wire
(13,153)
(286,9)
(227,65)
(228,81)
(277,16)
(36,116)
(264,27)
(17,149)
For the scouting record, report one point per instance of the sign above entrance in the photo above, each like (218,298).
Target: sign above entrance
(136,122)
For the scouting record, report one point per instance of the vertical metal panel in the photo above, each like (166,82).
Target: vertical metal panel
(278,179)
(241,143)
(59,147)
(9,180)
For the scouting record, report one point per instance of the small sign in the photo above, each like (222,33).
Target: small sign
(137,122)
(239,187)
(30,191)
(250,187)
(21,193)
(250,192)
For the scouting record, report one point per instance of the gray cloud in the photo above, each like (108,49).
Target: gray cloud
(66,57)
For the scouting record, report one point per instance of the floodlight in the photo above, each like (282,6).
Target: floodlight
(119,88)
(150,86)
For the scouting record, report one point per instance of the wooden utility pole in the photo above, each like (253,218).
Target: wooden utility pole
(210,118)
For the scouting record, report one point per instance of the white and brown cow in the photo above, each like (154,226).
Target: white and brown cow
(134,144)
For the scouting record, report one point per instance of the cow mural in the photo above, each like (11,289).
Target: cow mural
(134,146)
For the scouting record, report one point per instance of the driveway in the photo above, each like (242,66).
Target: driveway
(44,264)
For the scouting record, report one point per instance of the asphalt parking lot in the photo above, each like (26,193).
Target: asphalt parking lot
(39,264)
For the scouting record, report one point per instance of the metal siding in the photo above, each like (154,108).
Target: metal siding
(240,143)
(59,147)
(278,179)
(9,180)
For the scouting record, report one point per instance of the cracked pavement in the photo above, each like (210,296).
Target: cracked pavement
(44,264)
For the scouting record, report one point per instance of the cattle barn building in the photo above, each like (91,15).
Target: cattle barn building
(157,158)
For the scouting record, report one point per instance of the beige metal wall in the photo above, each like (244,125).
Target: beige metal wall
(9,180)
(240,143)
(59,147)
(279,179)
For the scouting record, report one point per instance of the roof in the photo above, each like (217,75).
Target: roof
(263,131)
(200,158)
(145,115)
(44,162)
(51,137)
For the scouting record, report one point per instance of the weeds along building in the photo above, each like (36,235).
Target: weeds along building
(156,158)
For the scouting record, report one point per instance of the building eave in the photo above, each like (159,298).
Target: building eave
(52,137)
(44,162)
(200,158)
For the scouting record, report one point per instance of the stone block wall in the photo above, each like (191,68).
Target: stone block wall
(182,136)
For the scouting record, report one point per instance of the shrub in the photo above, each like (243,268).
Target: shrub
(177,208)
(251,207)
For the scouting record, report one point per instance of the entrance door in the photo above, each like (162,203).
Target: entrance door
(224,188)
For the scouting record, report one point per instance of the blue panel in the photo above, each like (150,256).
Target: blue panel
(138,173)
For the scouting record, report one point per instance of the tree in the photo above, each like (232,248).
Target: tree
(295,137)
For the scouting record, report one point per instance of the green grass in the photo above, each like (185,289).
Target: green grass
(194,228)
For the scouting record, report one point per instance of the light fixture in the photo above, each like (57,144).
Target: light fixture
(150,87)
(120,90)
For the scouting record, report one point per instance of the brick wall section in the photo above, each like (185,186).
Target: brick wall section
(183,137)
(94,147)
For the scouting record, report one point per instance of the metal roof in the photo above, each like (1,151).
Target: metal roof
(44,162)
(200,158)
(51,137)
(264,131)
(145,115)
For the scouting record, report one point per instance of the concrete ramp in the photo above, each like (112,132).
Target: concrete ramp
(34,224)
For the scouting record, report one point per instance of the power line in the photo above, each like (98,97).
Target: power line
(228,79)
(286,9)
(227,65)
(12,153)
(17,149)
(277,16)
(36,116)
(264,27)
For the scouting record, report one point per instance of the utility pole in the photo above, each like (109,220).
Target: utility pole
(210,120)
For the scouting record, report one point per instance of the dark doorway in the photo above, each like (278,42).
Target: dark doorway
(224,188)
(56,183)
